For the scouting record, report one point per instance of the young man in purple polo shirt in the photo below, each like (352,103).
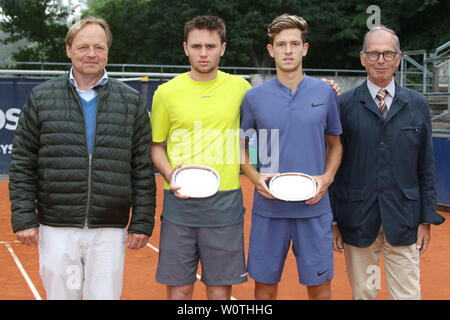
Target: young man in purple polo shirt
(296,119)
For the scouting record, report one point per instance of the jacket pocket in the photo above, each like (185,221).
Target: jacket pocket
(412,128)
(410,135)
(347,206)
(411,193)
(411,206)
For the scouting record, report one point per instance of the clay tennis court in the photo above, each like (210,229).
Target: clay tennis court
(19,277)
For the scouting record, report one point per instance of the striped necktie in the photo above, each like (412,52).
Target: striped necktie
(382,104)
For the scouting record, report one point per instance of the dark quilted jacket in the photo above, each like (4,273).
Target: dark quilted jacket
(54,181)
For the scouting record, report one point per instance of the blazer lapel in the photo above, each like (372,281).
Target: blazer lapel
(367,100)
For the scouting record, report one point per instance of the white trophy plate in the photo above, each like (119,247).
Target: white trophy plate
(292,186)
(196,181)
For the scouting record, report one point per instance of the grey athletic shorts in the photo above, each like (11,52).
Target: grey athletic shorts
(220,251)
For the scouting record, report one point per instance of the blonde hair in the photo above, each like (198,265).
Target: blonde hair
(77,26)
(287,21)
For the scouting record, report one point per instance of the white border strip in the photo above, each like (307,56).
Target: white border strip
(24,273)
(198,276)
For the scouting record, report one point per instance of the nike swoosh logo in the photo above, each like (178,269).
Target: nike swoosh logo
(316,104)
(321,273)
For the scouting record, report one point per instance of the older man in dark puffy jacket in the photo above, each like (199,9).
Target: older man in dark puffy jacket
(80,160)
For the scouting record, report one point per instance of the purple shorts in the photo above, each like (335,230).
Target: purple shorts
(270,240)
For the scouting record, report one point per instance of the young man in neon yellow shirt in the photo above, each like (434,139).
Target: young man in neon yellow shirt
(197,113)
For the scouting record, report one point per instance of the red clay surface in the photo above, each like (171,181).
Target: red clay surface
(140,266)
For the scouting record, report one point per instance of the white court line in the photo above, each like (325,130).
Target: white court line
(154,248)
(198,276)
(24,273)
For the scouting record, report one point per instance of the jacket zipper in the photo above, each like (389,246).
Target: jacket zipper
(89,191)
(88,202)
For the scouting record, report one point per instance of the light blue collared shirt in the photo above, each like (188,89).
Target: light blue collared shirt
(90,93)
(390,88)
(89,102)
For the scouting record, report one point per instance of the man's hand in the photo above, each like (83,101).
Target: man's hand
(28,236)
(322,183)
(423,237)
(334,85)
(338,244)
(161,163)
(137,241)
(261,186)
(174,188)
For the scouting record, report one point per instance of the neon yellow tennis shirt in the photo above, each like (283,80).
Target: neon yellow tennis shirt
(200,121)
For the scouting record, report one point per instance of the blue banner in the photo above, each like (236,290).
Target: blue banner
(442,161)
(13,94)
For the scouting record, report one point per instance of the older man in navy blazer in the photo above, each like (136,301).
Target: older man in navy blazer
(384,196)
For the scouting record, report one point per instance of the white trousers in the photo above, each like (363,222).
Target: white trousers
(401,266)
(82,263)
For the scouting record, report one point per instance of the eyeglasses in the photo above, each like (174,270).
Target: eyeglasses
(375,55)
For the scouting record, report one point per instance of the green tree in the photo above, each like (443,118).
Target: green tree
(151,31)
(7,50)
(158,34)
(129,23)
(420,24)
(41,22)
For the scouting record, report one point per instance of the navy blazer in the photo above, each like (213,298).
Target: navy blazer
(386,175)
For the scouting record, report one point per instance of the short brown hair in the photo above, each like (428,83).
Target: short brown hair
(287,21)
(77,26)
(211,23)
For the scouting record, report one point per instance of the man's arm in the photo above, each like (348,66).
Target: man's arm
(247,167)
(426,177)
(162,164)
(23,175)
(160,160)
(142,182)
(333,161)
(426,173)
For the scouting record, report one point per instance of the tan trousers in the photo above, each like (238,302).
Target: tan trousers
(401,265)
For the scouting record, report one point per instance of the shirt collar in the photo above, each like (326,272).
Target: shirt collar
(101,82)
(286,88)
(373,88)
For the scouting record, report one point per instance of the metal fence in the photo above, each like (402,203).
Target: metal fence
(45,69)
(429,74)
